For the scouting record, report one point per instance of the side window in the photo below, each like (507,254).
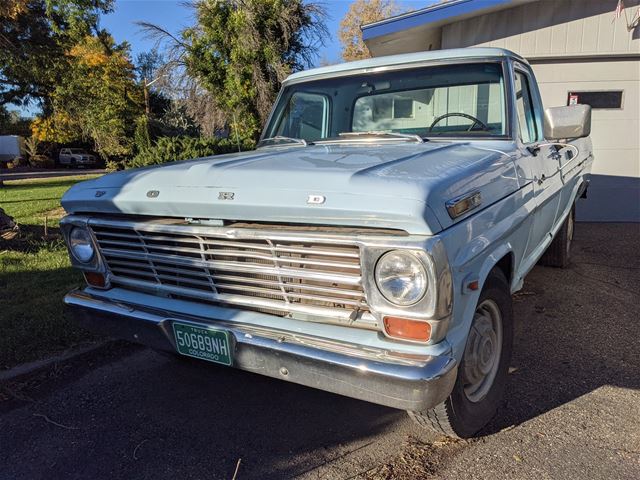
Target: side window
(524,107)
(306,116)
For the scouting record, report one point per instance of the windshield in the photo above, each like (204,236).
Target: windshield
(463,100)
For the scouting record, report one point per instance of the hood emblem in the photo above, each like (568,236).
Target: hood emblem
(100,193)
(153,193)
(226,195)
(316,199)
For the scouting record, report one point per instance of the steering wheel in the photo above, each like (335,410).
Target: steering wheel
(475,120)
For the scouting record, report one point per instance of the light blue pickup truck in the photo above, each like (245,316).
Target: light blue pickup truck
(368,247)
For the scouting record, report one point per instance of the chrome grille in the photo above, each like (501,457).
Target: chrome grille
(267,272)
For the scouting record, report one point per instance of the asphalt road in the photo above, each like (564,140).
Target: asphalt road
(571,409)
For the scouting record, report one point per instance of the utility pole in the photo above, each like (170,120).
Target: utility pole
(146,96)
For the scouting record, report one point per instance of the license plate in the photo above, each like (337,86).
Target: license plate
(204,343)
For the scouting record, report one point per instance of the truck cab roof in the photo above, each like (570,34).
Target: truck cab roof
(408,58)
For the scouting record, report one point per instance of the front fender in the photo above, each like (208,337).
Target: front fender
(467,300)
(475,247)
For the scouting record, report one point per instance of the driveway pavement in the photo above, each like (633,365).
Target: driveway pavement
(571,410)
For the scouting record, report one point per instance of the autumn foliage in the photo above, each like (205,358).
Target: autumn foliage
(362,12)
(97,101)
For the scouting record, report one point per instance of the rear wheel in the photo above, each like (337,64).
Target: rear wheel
(482,373)
(559,251)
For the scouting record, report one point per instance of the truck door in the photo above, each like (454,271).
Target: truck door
(542,161)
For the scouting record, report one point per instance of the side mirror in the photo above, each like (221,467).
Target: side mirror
(573,121)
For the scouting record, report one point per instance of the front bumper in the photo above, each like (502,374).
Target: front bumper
(408,382)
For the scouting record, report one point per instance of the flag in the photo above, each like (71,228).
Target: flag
(619,9)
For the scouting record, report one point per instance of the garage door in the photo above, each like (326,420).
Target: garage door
(613,87)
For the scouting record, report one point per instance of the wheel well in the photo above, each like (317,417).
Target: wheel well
(506,265)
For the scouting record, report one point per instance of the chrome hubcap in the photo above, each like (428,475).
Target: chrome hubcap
(482,353)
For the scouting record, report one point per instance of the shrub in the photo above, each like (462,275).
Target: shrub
(32,146)
(170,149)
(18,162)
(141,140)
(42,161)
(113,166)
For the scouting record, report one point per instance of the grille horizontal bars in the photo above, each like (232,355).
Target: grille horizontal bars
(278,274)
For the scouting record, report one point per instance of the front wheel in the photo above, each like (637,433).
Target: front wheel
(482,373)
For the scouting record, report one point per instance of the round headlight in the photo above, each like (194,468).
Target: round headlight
(401,278)
(80,244)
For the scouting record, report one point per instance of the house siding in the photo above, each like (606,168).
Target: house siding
(550,28)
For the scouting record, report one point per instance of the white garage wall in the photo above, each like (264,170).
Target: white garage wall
(549,27)
(615,189)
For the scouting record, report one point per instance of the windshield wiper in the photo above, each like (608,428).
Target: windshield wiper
(373,133)
(279,138)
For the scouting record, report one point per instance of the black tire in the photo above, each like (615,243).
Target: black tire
(559,251)
(459,416)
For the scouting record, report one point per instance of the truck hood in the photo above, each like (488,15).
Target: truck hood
(401,185)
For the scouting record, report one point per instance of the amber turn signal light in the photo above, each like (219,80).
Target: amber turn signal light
(95,279)
(407,329)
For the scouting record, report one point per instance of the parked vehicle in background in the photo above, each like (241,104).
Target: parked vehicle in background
(369,247)
(76,157)
(11,148)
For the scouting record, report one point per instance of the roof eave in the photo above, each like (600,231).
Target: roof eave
(435,16)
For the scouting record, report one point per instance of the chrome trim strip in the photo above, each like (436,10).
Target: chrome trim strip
(408,382)
(340,316)
(227,253)
(236,267)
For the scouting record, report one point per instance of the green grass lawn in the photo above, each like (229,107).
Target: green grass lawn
(35,273)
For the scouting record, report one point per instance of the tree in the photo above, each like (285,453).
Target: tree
(97,99)
(12,8)
(34,38)
(11,123)
(360,13)
(240,51)
(148,65)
